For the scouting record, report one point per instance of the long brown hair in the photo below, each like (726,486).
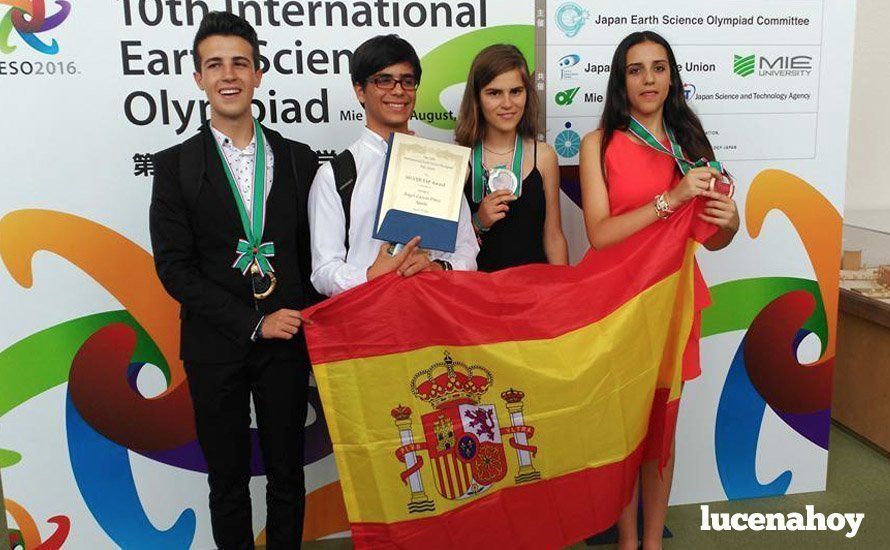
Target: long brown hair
(677,114)
(490,63)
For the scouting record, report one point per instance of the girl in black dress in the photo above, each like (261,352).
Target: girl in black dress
(514,184)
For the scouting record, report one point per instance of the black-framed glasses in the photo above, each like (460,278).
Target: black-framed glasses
(388,82)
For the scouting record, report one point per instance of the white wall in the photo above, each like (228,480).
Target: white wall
(868,170)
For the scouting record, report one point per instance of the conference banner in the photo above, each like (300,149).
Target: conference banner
(770,80)
(89,90)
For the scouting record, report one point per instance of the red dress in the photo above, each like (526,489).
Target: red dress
(636,173)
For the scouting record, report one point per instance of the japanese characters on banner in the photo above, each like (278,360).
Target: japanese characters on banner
(770,81)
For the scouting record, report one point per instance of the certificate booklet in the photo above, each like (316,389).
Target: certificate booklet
(423,185)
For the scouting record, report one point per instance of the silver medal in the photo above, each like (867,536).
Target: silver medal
(501,178)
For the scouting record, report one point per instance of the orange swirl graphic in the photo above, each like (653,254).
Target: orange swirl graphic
(817,222)
(127,272)
(124,269)
(26,524)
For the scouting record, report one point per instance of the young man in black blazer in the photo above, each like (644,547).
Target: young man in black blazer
(230,238)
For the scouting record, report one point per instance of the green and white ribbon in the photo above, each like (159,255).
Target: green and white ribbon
(480,174)
(251,249)
(685,165)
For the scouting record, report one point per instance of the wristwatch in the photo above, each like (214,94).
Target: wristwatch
(446,266)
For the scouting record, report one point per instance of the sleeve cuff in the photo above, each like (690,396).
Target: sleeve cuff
(256,331)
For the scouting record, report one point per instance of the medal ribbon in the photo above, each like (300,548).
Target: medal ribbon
(480,174)
(641,132)
(252,250)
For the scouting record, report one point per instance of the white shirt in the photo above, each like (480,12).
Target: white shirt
(333,270)
(241,163)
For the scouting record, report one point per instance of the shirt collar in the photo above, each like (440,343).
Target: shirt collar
(373,141)
(226,143)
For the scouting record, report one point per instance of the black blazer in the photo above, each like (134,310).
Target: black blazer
(195,226)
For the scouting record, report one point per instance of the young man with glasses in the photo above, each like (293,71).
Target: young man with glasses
(385,73)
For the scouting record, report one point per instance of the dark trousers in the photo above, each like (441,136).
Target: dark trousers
(221,397)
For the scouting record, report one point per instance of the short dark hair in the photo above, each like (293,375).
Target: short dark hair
(226,24)
(378,53)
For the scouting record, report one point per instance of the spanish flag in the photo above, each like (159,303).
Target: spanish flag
(513,408)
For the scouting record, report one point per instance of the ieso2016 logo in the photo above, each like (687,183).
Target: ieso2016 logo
(29,19)
(22,31)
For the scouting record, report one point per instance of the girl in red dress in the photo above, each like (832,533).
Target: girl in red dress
(629,180)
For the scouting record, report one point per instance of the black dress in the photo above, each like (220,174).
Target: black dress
(518,239)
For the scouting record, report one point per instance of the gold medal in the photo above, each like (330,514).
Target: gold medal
(263,283)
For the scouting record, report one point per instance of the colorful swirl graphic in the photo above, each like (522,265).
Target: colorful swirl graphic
(778,312)
(28,27)
(27,536)
(100,356)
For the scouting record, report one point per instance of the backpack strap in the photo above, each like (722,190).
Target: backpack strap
(304,249)
(344,180)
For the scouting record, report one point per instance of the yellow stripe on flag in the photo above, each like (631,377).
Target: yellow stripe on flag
(588,395)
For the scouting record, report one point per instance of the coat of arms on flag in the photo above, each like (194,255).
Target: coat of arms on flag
(462,436)
(590,356)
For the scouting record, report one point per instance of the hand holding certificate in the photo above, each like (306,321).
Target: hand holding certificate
(422,188)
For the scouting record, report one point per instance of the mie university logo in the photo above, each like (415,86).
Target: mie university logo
(743,65)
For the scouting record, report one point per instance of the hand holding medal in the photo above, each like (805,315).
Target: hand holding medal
(720,210)
(500,178)
(708,179)
(695,182)
(494,207)
(494,189)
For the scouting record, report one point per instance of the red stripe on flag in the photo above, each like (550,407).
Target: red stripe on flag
(523,303)
(458,475)
(440,480)
(552,513)
(446,460)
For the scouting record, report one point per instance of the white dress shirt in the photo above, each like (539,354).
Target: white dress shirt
(241,163)
(333,270)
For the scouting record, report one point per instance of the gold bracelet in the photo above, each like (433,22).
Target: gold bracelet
(662,208)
